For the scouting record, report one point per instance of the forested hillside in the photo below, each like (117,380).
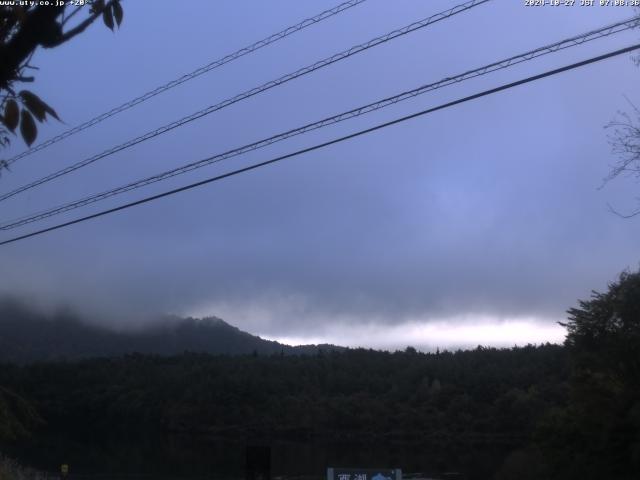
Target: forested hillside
(404,394)
(491,400)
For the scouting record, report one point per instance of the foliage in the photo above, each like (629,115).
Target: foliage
(449,401)
(23,29)
(597,434)
(604,332)
(17,415)
(12,470)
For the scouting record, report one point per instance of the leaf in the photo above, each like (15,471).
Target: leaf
(37,106)
(28,127)
(11,114)
(97,6)
(51,112)
(34,104)
(107,17)
(117,11)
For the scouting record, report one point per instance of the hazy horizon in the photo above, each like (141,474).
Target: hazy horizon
(424,336)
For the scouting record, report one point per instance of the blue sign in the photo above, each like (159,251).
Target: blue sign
(364,473)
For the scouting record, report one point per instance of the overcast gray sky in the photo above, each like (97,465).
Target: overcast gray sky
(481,223)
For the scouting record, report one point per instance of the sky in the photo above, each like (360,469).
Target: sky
(478,224)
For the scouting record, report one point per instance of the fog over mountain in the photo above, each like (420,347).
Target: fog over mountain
(486,215)
(28,335)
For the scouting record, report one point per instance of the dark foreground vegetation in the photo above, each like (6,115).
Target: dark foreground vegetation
(569,411)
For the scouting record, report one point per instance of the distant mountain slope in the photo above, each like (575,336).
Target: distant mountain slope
(28,336)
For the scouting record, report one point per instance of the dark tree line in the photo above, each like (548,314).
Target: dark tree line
(454,401)
(404,395)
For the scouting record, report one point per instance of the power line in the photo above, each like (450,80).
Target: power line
(499,65)
(331,142)
(254,91)
(190,76)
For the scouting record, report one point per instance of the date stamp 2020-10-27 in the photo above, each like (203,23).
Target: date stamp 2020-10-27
(581,3)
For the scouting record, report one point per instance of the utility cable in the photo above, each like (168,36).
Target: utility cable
(362,110)
(331,142)
(254,91)
(190,76)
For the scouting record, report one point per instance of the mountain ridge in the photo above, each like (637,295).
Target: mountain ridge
(28,336)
